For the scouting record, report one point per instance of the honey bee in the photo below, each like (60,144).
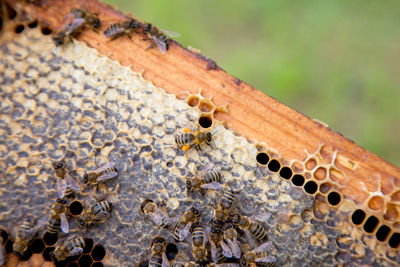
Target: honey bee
(158,215)
(95,214)
(224,265)
(189,139)
(258,255)
(230,236)
(89,19)
(70,247)
(56,218)
(227,199)
(64,179)
(158,37)
(199,240)
(122,28)
(251,226)
(105,172)
(220,214)
(214,238)
(184,264)
(158,257)
(204,180)
(23,237)
(182,228)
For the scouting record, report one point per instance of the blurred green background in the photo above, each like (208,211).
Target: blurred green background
(335,61)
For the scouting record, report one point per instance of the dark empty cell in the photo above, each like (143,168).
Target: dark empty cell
(60,263)
(146,149)
(50,239)
(85,260)
(9,246)
(310,187)
(370,224)
(262,158)
(286,173)
(33,24)
(298,180)
(382,233)
(205,121)
(171,251)
(88,245)
(47,254)
(4,236)
(144,263)
(37,246)
(358,217)
(72,258)
(98,253)
(19,28)
(46,31)
(75,208)
(274,165)
(334,198)
(97,264)
(10,12)
(170,164)
(73,264)
(27,255)
(394,240)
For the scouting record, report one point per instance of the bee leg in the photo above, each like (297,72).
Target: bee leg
(202,191)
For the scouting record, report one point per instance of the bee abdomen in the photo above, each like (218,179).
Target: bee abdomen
(184,139)
(113,29)
(54,225)
(155,261)
(227,199)
(177,231)
(258,231)
(198,236)
(102,206)
(212,176)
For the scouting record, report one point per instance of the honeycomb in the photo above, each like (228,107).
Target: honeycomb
(71,103)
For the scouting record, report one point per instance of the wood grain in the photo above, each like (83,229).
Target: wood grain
(252,113)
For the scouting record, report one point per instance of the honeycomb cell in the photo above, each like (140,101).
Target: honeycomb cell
(85,260)
(334,198)
(73,264)
(205,106)
(297,167)
(46,31)
(75,208)
(286,173)
(358,217)
(98,253)
(394,240)
(19,28)
(205,121)
(395,196)
(220,113)
(274,165)
(325,188)
(382,233)
(370,224)
(311,164)
(193,100)
(376,203)
(320,173)
(310,187)
(47,253)
(33,24)
(88,245)
(171,251)
(97,264)
(37,246)
(298,180)
(262,158)
(50,239)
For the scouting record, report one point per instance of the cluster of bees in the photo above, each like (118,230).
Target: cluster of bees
(82,19)
(229,239)
(56,218)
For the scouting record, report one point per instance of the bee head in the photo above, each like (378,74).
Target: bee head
(188,184)
(195,211)
(62,201)
(86,178)
(96,23)
(209,137)
(134,24)
(227,226)
(58,165)
(82,224)
(58,41)
(147,27)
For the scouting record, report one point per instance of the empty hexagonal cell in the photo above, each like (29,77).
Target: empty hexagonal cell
(73,264)
(394,240)
(171,251)
(310,187)
(98,264)
(358,217)
(27,255)
(311,164)
(4,235)
(262,158)
(334,198)
(382,233)
(298,180)
(320,173)
(47,253)
(205,121)
(286,173)
(98,253)
(274,165)
(50,239)
(376,203)
(325,187)
(88,245)
(391,212)
(370,224)
(193,100)
(396,196)
(37,246)
(19,28)
(75,208)
(219,113)
(85,260)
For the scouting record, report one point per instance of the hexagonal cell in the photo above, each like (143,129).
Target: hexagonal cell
(358,217)
(98,264)
(320,173)
(298,180)
(206,106)
(297,167)
(383,233)
(171,251)
(193,100)
(325,188)
(262,158)
(392,213)
(286,173)
(37,246)
(395,196)
(85,260)
(310,164)
(274,165)
(75,208)
(50,239)
(47,253)
(394,240)
(205,121)
(334,198)
(311,187)
(98,253)
(376,203)
(370,224)
(88,245)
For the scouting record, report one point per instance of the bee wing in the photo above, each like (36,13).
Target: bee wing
(214,252)
(226,250)
(74,25)
(185,231)
(165,262)
(157,216)
(107,175)
(263,247)
(235,248)
(61,187)
(75,251)
(44,219)
(213,185)
(102,215)
(171,34)
(105,167)
(71,182)
(160,44)
(64,223)
(262,217)
(266,259)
